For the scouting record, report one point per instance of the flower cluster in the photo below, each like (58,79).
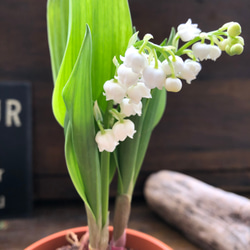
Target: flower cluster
(108,139)
(127,88)
(147,66)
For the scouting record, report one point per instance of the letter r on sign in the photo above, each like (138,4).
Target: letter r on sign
(13,108)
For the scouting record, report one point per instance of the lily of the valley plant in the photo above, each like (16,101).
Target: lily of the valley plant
(110,92)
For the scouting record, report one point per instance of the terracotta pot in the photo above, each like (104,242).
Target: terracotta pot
(135,240)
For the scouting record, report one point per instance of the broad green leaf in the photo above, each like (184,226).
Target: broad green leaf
(72,164)
(153,115)
(111,28)
(57,23)
(157,107)
(77,95)
(74,42)
(132,151)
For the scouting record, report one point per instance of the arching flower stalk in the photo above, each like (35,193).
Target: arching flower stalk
(146,66)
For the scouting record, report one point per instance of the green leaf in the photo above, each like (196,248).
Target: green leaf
(132,151)
(171,36)
(80,131)
(57,26)
(74,42)
(153,115)
(72,164)
(111,29)
(110,24)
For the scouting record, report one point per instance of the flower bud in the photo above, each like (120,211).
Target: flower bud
(97,112)
(123,129)
(236,49)
(173,84)
(234,29)
(240,40)
(235,40)
(222,44)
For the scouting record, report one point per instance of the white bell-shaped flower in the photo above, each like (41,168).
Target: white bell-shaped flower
(188,31)
(114,91)
(127,76)
(190,70)
(123,129)
(173,84)
(137,92)
(215,52)
(129,108)
(178,65)
(153,78)
(133,59)
(203,51)
(166,68)
(106,141)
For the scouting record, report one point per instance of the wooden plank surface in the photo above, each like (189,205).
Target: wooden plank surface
(53,217)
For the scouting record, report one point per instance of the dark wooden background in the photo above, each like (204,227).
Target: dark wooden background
(205,131)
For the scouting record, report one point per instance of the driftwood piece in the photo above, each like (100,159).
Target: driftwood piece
(210,217)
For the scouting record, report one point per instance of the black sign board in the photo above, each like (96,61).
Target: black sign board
(15,149)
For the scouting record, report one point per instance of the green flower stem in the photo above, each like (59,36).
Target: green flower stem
(129,167)
(176,39)
(218,33)
(156,59)
(121,215)
(186,45)
(166,51)
(105,163)
(144,44)
(99,123)
(108,115)
(118,116)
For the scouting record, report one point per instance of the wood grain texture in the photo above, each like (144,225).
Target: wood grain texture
(210,217)
(51,217)
(205,128)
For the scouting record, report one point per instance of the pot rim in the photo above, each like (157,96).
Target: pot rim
(131,233)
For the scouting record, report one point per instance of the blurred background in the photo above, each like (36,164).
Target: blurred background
(205,131)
